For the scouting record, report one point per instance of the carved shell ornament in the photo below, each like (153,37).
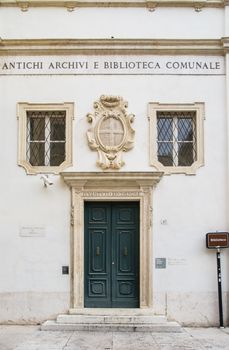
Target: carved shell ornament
(111,133)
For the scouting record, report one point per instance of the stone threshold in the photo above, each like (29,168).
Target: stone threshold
(114,311)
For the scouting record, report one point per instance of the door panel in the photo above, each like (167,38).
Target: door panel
(97,255)
(111,254)
(125,239)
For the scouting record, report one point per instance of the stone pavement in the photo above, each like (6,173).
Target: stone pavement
(31,338)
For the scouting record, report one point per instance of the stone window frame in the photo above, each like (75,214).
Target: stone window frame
(198,108)
(22,109)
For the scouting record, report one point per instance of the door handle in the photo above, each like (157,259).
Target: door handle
(97,251)
(125,251)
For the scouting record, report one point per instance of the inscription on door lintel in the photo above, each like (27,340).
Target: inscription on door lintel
(112,194)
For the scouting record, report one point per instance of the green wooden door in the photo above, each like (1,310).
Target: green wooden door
(111,252)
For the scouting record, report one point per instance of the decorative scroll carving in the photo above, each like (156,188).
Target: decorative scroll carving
(111,132)
(70,6)
(151,5)
(198,7)
(24,6)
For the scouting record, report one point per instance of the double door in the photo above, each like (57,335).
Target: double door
(111,254)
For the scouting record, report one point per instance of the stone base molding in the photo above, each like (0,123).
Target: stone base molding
(111,186)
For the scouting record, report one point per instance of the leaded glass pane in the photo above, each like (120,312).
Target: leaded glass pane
(57,128)
(165,129)
(165,153)
(37,128)
(186,155)
(37,153)
(57,153)
(185,129)
(46,137)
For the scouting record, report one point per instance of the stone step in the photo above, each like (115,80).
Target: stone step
(165,327)
(111,319)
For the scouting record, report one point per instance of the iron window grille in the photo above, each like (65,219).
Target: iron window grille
(46,138)
(176,138)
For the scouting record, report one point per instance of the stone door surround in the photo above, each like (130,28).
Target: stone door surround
(110,186)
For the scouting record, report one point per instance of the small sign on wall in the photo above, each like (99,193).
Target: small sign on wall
(177,261)
(32,231)
(160,263)
(217,240)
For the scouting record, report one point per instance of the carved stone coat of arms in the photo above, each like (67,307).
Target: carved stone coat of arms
(111,133)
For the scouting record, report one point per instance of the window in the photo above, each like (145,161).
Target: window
(176,137)
(45,137)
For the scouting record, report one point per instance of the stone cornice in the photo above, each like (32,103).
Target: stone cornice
(111,179)
(151,5)
(31,47)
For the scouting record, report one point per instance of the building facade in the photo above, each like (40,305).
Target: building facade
(114,158)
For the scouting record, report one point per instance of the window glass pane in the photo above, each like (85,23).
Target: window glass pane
(185,129)
(165,153)
(57,153)
(57,128)
(36,128)
(186,154)
(164,129)
(36,153)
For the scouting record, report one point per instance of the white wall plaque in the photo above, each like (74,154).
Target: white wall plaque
(177,261)
(32,231)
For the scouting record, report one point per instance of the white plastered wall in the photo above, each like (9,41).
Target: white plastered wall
(190,205)
(119,23)
(185,208)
